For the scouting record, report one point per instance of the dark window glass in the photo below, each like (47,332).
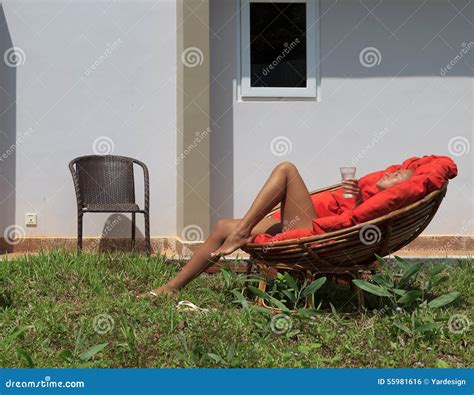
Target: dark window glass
(278,44)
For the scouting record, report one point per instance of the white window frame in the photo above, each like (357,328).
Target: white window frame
(312,51)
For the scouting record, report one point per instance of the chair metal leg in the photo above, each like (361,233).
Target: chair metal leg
(79,232)
(147,233)
(133,232)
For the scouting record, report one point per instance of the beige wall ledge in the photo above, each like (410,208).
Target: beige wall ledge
(423,246)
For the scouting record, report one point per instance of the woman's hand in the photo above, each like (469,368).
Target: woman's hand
(351,185)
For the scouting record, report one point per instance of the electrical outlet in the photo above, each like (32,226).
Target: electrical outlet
(31,219)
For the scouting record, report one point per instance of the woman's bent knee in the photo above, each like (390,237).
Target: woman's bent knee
(285,166)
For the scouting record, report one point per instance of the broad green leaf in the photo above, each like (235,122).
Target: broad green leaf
(268,298)
(278,303)
(399,292)
(426,327)
(410,296)
(380,260)
(291,281)
(216,358)
(258,292)
(88,354)
(409,273)
(402,327)
(403,263)
(290,295)
(313,287)
(443,300)
(382,280)
(262,310)
(371,288)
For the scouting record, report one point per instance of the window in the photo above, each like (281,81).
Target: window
(278,48)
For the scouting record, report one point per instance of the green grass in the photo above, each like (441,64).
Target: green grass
(48,304)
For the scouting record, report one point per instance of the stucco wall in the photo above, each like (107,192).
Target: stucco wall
(91,69)
(402,107)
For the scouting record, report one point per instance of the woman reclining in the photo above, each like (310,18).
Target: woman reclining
(284,186)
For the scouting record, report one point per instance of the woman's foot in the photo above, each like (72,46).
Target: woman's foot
(164,290)
(233,242)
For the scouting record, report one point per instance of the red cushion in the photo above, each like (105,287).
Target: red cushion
(335,212)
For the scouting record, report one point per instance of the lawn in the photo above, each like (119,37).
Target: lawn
(60,310)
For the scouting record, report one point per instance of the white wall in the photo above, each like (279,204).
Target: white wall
(130,97)
(405,95)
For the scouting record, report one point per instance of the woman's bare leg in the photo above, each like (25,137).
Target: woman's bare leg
(201,259)
(284,185)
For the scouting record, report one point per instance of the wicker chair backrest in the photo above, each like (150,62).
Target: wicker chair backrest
(105,179)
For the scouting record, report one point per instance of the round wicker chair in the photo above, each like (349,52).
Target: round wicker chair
(350,251)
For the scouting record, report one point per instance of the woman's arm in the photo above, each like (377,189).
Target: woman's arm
(351,185)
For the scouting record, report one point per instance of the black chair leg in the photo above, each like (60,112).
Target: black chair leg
(133,231)
(147,233)
(79,233)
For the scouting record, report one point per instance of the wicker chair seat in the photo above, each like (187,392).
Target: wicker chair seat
(113,208)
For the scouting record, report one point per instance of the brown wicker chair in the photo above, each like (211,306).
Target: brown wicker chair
(350,251)
(106,184)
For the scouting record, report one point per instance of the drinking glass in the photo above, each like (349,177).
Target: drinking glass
(346,173)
